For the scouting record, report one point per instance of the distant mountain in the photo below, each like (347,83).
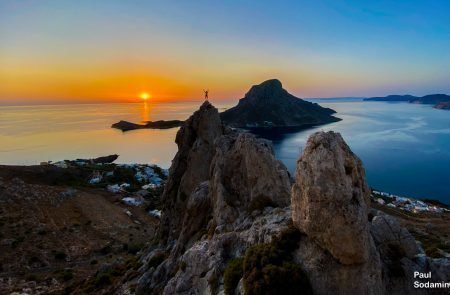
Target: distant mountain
(269,105)
(392,98)
(432,99)
(440,101)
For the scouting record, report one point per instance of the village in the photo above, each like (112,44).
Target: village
(407,204)
(136,184)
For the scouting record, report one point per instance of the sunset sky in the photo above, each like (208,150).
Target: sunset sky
(88,51)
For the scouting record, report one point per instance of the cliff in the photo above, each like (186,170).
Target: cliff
(232,222)
(269,105)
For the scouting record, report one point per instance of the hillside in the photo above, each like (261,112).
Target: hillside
(61,235)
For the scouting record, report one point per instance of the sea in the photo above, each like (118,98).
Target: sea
(405,147)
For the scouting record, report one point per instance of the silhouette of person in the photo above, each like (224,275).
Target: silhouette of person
(206,94)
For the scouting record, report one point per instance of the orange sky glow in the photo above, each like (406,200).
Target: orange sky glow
(113,51)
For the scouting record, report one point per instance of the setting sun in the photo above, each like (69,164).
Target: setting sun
(144,95)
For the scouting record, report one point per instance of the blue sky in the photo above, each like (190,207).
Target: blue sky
(316,48)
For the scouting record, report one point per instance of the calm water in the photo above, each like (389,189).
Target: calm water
(405,148)
(31,134)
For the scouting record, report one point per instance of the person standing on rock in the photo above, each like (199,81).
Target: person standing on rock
(206,93)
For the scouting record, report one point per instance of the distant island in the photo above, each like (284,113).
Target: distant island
(440,101)
(161,124)
(268,105)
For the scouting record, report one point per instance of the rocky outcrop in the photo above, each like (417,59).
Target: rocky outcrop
(388,234)
(220,200)
(245,176)
(330,201)
(219,184)
(328,276)
(364,253)
(99,160)
(190,167)
(330,186)
(128,126)
(269,105)
(241,169)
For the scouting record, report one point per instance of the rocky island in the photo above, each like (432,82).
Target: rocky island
(269,105)
(440,101)
(161,124)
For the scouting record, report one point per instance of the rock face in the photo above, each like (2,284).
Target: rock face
(245,176)
(190,167)
(388,234)
(217,178)
(234,164)
(269,105)
(330,204)
(220,198)
(330,187)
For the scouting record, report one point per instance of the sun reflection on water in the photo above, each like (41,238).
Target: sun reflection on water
(145,111)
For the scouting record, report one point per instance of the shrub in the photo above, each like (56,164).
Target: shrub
(233,273)
(67,275)
(123,174)
(31,277)
(287,278)
(102,279)
(133,248)
(60,255)
(433,252)
(106,250)
(268,268)
(158,170)
(17,241)
(213,282)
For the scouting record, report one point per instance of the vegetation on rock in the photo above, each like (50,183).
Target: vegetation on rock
(269,268)
(233,273)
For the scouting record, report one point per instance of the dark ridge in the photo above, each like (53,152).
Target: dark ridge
(127,126)
(268,105)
